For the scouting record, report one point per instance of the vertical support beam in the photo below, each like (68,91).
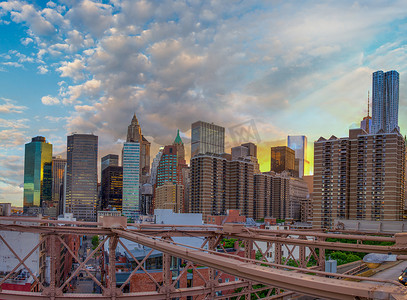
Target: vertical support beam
(321,256)
(248,249)
(112,266)
(278,253)
(303,256)
(212,273)
(167,274)
(53,250)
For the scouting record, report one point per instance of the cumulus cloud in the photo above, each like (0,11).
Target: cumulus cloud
(74,70)
(49,100)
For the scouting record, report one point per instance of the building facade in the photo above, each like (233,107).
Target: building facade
(58,173)
(81,178)
(219,183)
(282,159)
(359,177)
(385,93)
(207,138)
(37,175)
(170,196)
(299,144)
(131,180)
(112,187)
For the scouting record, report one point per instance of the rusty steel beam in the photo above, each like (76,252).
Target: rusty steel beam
(323,244)
(47,221)
(178,293)
(301,283)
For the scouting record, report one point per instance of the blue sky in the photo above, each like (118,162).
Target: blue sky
(289,67)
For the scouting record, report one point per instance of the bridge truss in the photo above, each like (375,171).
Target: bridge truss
(267,277)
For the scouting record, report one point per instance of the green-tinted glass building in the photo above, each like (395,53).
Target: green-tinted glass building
(37,174)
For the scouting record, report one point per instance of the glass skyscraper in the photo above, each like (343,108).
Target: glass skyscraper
(81,178)
(385,101)
(207,138)
(131,180)
(37,175)
(299,144)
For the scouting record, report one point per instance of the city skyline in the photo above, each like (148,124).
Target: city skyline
(87,67)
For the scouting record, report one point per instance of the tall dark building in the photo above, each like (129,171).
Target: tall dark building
(112,187)
(37,175)
(81,185)
(109,160)
(282,159)
(58,170)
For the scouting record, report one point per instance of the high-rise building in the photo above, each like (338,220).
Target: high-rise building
(299,144)
(359,177)
(239,151)
(219,183)
(385,101)
(58,170)
(207,138)
(112,187)
(134,135)
(252,149)
(37,175)
(81,185)
(282,159)
(131,180)
(109,160)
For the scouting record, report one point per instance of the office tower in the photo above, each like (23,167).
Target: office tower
(112,187)
(366,123)
(81,186)
(299,144)
(131,180)
(170,196)
(37,175)
(219,183)
(134,135)
(58,171)
(282,159)
(109,160)
(207,138)
(179,144)
(359,177)
(385,101)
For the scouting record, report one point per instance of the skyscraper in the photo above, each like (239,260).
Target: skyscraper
(112,187)
(282,159)
(81,185)
(58,169)
(299,144)
(37,175)
(131,180)
(134,135)
(385,101)
(207,138)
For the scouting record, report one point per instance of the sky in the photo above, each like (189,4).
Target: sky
(261,69)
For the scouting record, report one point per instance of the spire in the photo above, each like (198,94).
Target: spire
(178,139)
(134,120)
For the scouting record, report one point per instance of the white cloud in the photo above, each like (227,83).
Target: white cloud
(42,69)
(8,107)
(49,100)
(73,69)
(19,123)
